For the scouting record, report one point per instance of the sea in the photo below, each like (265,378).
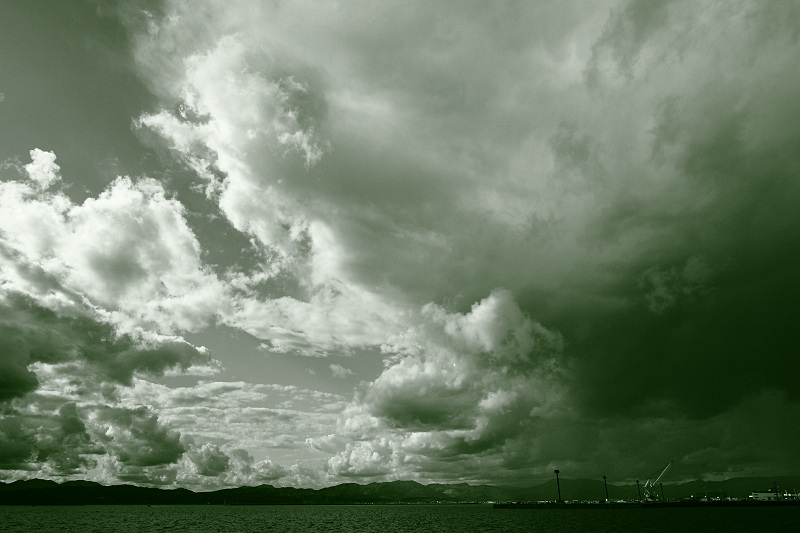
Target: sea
(389,519)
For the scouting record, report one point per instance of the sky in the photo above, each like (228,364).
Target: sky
(314,242)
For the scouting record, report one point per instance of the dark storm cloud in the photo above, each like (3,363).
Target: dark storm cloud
(709,302)
(44,433)
(71,441)
(137,438)
(56,442)
(682,310)
(15,378)
(17,444)
(65,446)
(34,333)
(25,338)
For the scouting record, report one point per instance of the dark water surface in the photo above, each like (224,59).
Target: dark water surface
(390,518)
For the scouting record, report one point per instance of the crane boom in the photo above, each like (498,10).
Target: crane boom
(663,472)
(650,492)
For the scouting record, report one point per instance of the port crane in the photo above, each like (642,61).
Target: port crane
(650,486)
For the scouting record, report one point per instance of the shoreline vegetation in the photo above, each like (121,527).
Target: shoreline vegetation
(578,493)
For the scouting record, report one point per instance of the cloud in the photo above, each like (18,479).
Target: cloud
(449,363)
(73,440)
(208,460)
(335,316)
(664,289)
(65,448)
(16,379)
(252,418)
(130,250)
(364,460)
(626,172)
(338,371)
(714,267)
(251,472)
(39,334)
(43,169)
(248,107)
(209,466)
(457,385)
(17,442)
(137,439)
(245,110)
(151,434)
(72,306)
(63,361)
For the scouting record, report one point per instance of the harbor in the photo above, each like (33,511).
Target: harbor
(651,494)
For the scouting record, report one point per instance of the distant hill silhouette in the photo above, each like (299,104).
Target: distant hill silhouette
(43,492)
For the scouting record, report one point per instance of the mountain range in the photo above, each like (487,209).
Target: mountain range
(45,492)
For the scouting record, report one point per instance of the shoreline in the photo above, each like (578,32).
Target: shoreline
(647,505)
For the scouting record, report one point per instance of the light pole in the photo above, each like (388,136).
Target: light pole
(558,484)
(605,483)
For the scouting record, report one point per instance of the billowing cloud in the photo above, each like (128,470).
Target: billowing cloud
(244,111)
(247,471)
(64,447)
(209,466)
(365,460)
(128,251)
(43,169)
(75,325)
(136,437)
(238,109)
(72,440)
(454,364)
(457,385)
(208,460)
